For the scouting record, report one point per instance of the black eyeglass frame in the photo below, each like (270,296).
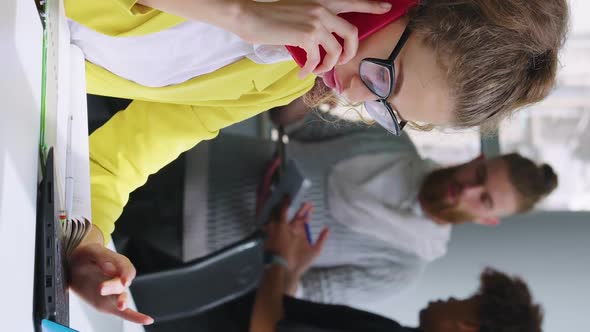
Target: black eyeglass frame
(388,64)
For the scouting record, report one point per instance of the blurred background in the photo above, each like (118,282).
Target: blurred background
(550,247)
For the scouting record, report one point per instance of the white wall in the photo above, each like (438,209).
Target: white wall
(579,16)
(550,251)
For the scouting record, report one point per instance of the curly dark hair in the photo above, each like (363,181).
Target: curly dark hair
(506,304)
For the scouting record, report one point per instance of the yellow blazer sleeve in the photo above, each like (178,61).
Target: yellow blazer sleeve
(119,17)
(132,145)
(162,123)
(141,140)
(132,7)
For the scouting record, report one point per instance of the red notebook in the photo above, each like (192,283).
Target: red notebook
(367,24)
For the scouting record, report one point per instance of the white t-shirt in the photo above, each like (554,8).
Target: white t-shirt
(171,56)
(375,194)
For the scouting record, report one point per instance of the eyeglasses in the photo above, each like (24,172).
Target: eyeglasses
(378,75)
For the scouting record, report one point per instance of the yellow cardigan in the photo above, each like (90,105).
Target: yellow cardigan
(163,122)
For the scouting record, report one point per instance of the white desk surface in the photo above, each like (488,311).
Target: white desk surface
(20,94)
(21,38)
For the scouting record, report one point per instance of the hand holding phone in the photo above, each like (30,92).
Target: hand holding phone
(307,24)
(291,183)
(367,24)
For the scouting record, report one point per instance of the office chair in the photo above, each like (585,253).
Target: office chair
(191,230)
(203,284)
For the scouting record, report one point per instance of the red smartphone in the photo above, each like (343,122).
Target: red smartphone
(367,24)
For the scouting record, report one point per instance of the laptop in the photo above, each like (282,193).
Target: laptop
(50,293)
(49,326)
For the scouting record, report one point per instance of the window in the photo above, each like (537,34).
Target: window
(557,130)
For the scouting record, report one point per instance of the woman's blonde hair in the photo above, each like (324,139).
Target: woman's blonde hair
(500,54)
(320,97)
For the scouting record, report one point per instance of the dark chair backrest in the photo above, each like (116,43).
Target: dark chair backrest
(203,284)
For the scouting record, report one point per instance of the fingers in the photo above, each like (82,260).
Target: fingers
(357,6)
(114,264)
(304,210)
(109,269)
(112,297)
(122,301)
(112,287)
(134,316)
(303,215)
(117,305)
(111,263)
(345,30)
(319,244)
(349,34)
(331,25)
(333,52)
(313,59)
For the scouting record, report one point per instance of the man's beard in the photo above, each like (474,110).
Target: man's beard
(433,197)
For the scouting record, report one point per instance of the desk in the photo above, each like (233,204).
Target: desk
(21,37)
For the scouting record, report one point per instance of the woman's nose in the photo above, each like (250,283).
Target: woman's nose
(358,91)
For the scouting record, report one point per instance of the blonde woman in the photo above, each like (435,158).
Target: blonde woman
(453,62)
